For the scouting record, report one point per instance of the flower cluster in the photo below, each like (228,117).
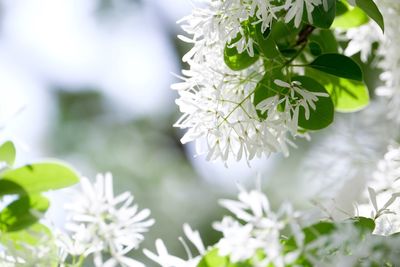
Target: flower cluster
(256,229)
(362,39)
(383,191)
(101,223)
(216,101)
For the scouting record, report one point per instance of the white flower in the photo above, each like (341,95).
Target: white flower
(390,57)
(361,40)
(383,193)
(295,10)
(101,222)
(164,259)
(217,102)
(261,230)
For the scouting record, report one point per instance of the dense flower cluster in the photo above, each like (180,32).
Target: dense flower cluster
(216,102)
(256,229)
(101,223)
(362,40)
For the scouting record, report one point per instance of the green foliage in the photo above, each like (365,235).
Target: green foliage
(321,18)
(354,17)
(338,65)
(238,61)
(212,259)
(326,40)
(31,235)
(370,8)
(22,212)
(347,95)
(315,48)
(36,178)
(7,153)
(323,115)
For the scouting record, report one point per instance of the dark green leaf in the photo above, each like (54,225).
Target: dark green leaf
(338,65)
(323,18)
(19,214)
(7,153)
(36,178)
(341,7)
(323,115)
(370,8)
(364,224)
(315,48)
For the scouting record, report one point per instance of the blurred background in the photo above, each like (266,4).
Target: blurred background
(87,81)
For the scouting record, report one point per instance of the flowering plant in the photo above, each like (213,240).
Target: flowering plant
(260,70)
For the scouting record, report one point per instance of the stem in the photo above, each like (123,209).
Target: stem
(303,35)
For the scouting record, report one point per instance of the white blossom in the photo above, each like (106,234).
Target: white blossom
(217,102)
(101,222)
(164,259)
(362,39)
(295,10)
(390,58)
(383,193)
(257,228)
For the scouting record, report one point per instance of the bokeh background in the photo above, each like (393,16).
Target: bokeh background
(88,82)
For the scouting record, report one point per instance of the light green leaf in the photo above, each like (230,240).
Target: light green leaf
(36,178)
(347,95)
(323,115)
(370,8)
(7,153)
(212,259)
(353,18)
(238,61)
(19,214)
(338,65)
(30,235)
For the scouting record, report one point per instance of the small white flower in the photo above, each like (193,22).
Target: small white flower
(164,259)
(101,222)
(257,228)
(295,10)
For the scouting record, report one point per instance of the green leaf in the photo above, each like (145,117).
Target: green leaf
(7,153)
(323,115)
(311,233)
(31,235)
(238,61)
(364,224)
(351,19)
(347,95)
(326,39)
(19,214)
(36,178)
(338,65)
(212,259)
(315,48)
(370,8)
(341,7)
(323,18)
(266,88)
